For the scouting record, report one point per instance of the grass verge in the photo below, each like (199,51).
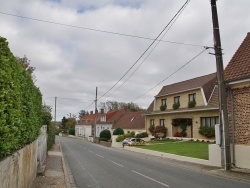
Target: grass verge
(183,148)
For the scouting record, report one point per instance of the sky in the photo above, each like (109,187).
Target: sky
(77,46)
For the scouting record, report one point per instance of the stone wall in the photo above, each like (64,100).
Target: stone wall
(19,169)
(241,109)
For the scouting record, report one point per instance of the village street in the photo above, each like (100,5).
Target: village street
(93,165)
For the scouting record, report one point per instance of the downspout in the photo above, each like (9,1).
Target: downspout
(232,123)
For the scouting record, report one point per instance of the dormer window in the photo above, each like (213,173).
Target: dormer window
(163,102)
(192,97)
(177,100)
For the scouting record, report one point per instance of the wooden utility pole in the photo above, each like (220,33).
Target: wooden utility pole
(225,142)
(55,111)
(95,115)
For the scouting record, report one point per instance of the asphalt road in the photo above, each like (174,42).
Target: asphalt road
(96,166)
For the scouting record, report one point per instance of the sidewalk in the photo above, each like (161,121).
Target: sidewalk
(54,175)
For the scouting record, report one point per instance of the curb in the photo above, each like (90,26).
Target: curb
(69,179)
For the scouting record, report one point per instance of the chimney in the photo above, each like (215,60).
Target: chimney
(91,112)
(102,111)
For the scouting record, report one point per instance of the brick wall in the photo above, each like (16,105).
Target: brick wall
(241,109)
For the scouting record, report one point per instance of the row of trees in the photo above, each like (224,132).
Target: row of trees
(113,105)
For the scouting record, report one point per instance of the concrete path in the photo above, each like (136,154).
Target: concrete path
(53,175)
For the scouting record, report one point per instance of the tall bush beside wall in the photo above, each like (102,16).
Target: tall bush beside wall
(20,104)
(51,135)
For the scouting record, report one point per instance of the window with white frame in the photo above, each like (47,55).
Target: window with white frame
(162,122)
(152,122)
(209,121)
(164,102)
(192,97)
(177,100)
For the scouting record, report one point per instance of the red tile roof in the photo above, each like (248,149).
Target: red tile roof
(239,66)
(131,120)
(206,82)
(89,119)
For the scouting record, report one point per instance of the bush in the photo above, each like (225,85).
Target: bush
(118,131)
(206,131)
(20,104)
(151,129)
(142,135)
(51,130)
(105,134)
(163,107)
(160,129)
(72,131)
(120,138)
(103,139)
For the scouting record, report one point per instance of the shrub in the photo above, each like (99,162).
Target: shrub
(105,134)
(20,104)
(206,131)
(160,129)
(142,135)
(191,104)
(151,129)
(177,134)
(72,131)
(163,107)
(103,139)
(176,106)
(120,138)
(51,130)
(118,131)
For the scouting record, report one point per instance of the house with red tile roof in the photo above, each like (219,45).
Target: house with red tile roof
(131,121)
(191,102)
(84,126)
(107,120)
(237,76)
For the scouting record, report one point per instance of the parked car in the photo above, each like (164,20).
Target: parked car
(125,141)
(136,141)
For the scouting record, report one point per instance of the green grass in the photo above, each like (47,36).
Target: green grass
(183,148)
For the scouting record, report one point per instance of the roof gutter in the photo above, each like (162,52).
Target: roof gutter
(182,111)
(157,96)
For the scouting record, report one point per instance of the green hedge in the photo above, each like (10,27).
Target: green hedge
(20,103)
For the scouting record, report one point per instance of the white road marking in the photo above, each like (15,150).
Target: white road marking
(151,178)
(116,163)
(90,151)
(100,156)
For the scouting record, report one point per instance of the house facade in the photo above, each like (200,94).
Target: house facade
(84,127)
(107,120)
(185,106)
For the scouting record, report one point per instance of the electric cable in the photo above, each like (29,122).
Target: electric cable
(145,50)
(148,53)
(172,73)
(95,30)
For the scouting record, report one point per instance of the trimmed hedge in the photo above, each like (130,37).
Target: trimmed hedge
(20,104)
(105,134)
(118,131)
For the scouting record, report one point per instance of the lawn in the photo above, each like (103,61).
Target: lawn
(183,148)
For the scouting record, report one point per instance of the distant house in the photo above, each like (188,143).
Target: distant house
(85,124)
(107,120)
(193,103)
(131,121)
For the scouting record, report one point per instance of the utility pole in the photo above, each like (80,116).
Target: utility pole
(95,115)
(55,110)
(225,142)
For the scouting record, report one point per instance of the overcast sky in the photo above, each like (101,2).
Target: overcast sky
(71,62)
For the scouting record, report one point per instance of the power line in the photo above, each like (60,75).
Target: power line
(172,73)
(95,30)
(149,53)
(146,49)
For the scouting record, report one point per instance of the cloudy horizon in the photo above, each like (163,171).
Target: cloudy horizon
(72,58)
